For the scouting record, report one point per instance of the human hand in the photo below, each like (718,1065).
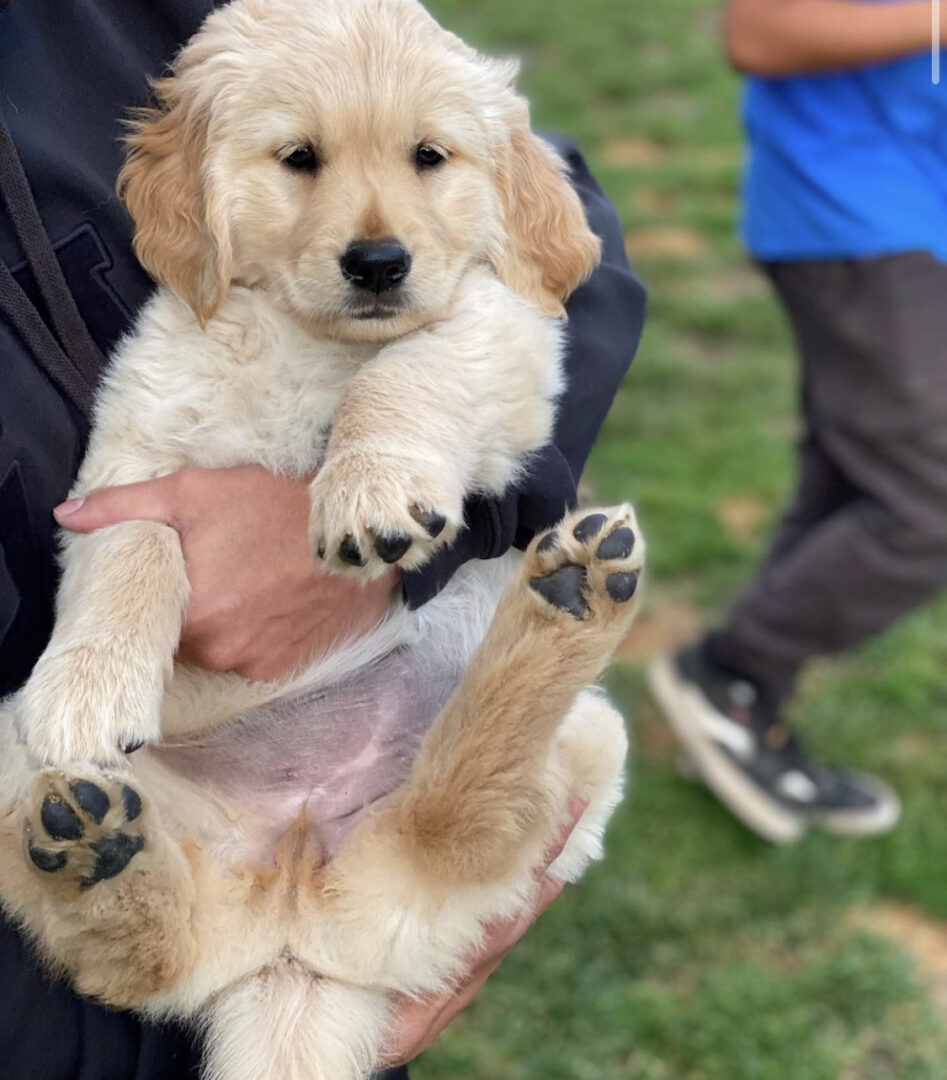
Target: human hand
(415,1024)
(260,605)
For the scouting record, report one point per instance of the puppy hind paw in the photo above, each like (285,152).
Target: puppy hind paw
(588,566)
(82,830)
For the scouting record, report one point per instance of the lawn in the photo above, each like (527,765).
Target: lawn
(696,952)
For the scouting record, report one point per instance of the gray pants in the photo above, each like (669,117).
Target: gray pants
(865,537)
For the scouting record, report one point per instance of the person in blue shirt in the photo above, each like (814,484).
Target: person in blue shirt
(845,208)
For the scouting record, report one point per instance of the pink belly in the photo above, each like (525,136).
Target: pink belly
(332,751)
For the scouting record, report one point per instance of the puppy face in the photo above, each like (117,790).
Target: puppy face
(351,159)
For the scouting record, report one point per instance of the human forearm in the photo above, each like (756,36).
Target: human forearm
(783,37)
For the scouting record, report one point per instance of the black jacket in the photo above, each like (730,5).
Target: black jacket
(68,72)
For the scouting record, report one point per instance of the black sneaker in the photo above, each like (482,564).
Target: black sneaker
(739,747)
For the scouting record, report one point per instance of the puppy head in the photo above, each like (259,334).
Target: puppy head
(353,160)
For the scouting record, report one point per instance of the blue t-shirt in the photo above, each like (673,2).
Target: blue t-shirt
(847,165)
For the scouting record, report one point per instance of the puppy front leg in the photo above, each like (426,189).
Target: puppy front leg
(96,691)
(438,415)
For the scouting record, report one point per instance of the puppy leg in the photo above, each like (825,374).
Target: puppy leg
(479,788)
(97,688)
(112,895)
(589,762)
(438,414)
(410,891)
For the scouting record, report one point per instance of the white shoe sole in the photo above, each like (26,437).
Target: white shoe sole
(685,710)
(881,820)
(689,715)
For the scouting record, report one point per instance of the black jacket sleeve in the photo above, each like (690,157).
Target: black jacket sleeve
(606,316)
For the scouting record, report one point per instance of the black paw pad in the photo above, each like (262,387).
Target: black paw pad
(430,520)
(564,589)
(92,800)
(112,854)
(621,587)
(391,548)
(131,802)
(617,545)
(548,543)
(59,820)
(48,861)
(349,552)
(589,527)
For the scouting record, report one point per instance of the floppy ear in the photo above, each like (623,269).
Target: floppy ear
(550,249)
(181,236)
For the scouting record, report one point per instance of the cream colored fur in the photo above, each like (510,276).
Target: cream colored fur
(248,353)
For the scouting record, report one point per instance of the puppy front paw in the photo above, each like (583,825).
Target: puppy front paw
(90,702)
(371,511)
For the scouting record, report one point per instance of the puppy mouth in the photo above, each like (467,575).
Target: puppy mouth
(375,313)
(374,309)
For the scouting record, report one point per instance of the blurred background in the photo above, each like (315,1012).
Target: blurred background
(697,952)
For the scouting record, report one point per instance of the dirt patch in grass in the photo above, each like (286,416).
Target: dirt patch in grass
(923,938)
(665,242)
(654,742)
(632,152)
(741,516)
(654,201)
(734,285)
(666,624)
(918,747)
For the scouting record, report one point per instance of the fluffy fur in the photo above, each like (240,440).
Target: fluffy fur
(253,348)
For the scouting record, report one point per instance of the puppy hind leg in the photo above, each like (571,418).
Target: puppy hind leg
(116,892)
(408,894)
(589,761)
(479,787)
(287,1023)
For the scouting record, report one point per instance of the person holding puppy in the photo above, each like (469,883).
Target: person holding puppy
(69,287)
(845,208)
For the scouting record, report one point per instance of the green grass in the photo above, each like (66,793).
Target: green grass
(695,952)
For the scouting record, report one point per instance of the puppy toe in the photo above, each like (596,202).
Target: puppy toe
(47,861)
(618,544)
(621,587)
(589,527)
(390,547)
(91,799)
(59,820)
(432,521)
(350,553)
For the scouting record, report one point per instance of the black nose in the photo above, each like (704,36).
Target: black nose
(376,265)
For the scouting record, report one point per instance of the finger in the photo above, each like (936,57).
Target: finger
(549,889)
(416,1024)
(151,500)
(575,809)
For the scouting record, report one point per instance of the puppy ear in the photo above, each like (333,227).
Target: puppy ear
(550,249)
(181,236)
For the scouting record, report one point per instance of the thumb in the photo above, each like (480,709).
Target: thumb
(151,500)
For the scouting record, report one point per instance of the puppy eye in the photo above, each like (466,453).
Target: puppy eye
(301,159)
(426,157)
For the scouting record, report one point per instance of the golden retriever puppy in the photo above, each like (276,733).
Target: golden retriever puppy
(362,254)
